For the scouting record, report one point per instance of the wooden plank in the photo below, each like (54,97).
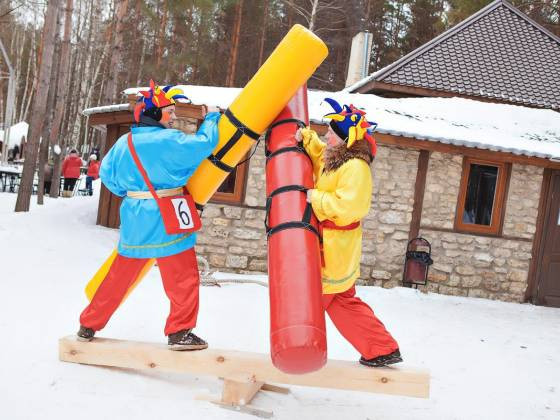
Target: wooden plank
(246,409)
(110,118)
(434,146)
(419,188)
(538,245)
(240,389)
(105,195)
(447,230)
(337,374)
(275,388)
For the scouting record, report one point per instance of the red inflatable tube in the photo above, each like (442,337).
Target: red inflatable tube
(297,321)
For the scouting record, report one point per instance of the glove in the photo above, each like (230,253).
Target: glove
(304,135)
(309,193)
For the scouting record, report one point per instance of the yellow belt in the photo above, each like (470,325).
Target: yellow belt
(146,195)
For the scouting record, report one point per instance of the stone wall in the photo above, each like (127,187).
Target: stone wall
(442,190)
(233,239)
(386,227)
(472,265)
(523,201)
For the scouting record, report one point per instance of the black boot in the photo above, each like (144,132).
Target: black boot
(85,334)
(385,360)
(186,340)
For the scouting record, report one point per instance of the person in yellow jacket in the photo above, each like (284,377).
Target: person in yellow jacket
(340,200)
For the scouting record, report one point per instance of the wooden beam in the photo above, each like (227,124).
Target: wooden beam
(419,188)
(435,146)
(109,118)
(105,194)
(538,245)
(240,389)
(337,374)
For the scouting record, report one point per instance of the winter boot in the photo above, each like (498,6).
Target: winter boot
(85,334)
(385,360)
(186,340)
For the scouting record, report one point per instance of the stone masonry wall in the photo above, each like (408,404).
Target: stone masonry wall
(386,227)
(472,265)
(523,201)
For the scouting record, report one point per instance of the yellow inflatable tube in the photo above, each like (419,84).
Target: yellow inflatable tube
(289,66)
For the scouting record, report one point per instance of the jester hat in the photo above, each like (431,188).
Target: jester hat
(157,97)
(350,124)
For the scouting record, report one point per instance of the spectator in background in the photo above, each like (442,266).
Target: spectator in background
(92,173)
(71,172)
(15,152)
(47,178)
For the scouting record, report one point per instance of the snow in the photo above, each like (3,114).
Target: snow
(488,359)
(462,122)
(17,131)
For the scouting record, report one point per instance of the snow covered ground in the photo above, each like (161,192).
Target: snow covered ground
(488,360)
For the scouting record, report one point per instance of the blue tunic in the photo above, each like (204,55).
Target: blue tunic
(169,157)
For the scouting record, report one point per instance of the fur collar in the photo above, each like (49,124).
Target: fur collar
(338,155)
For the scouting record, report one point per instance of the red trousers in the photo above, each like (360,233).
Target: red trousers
(357,323)
(180,280)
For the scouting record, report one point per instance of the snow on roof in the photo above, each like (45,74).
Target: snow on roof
(107,108)
(459,121)
(17,131)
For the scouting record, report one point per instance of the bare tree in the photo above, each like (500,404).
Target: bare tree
(311,8)
(110,88)
(49,116)
(234,44)
(110,91)
(263,32)
(63,91)
(39,108)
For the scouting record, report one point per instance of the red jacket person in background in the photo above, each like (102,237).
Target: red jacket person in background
(71,172)
(92,173)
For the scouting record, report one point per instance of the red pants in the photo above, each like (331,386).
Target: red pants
(180,280)
(357,323)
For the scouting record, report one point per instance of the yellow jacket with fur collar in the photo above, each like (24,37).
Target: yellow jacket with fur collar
(342,195)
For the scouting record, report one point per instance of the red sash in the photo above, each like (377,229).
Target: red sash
(178,212)
(327,224)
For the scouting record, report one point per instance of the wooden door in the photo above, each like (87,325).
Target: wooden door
(109,204)
(548,292)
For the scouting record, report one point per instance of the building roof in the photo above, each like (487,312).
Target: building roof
(107,108)
(458,121)
(498,53)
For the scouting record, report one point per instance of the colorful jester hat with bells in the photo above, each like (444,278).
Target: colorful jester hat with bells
(350,124)
(157,97)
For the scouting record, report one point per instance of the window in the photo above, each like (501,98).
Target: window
(232,190)
(481,196)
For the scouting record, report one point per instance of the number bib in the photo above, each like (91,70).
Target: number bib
(179,214)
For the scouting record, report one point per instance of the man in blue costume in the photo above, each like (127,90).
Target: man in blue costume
(169,158)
